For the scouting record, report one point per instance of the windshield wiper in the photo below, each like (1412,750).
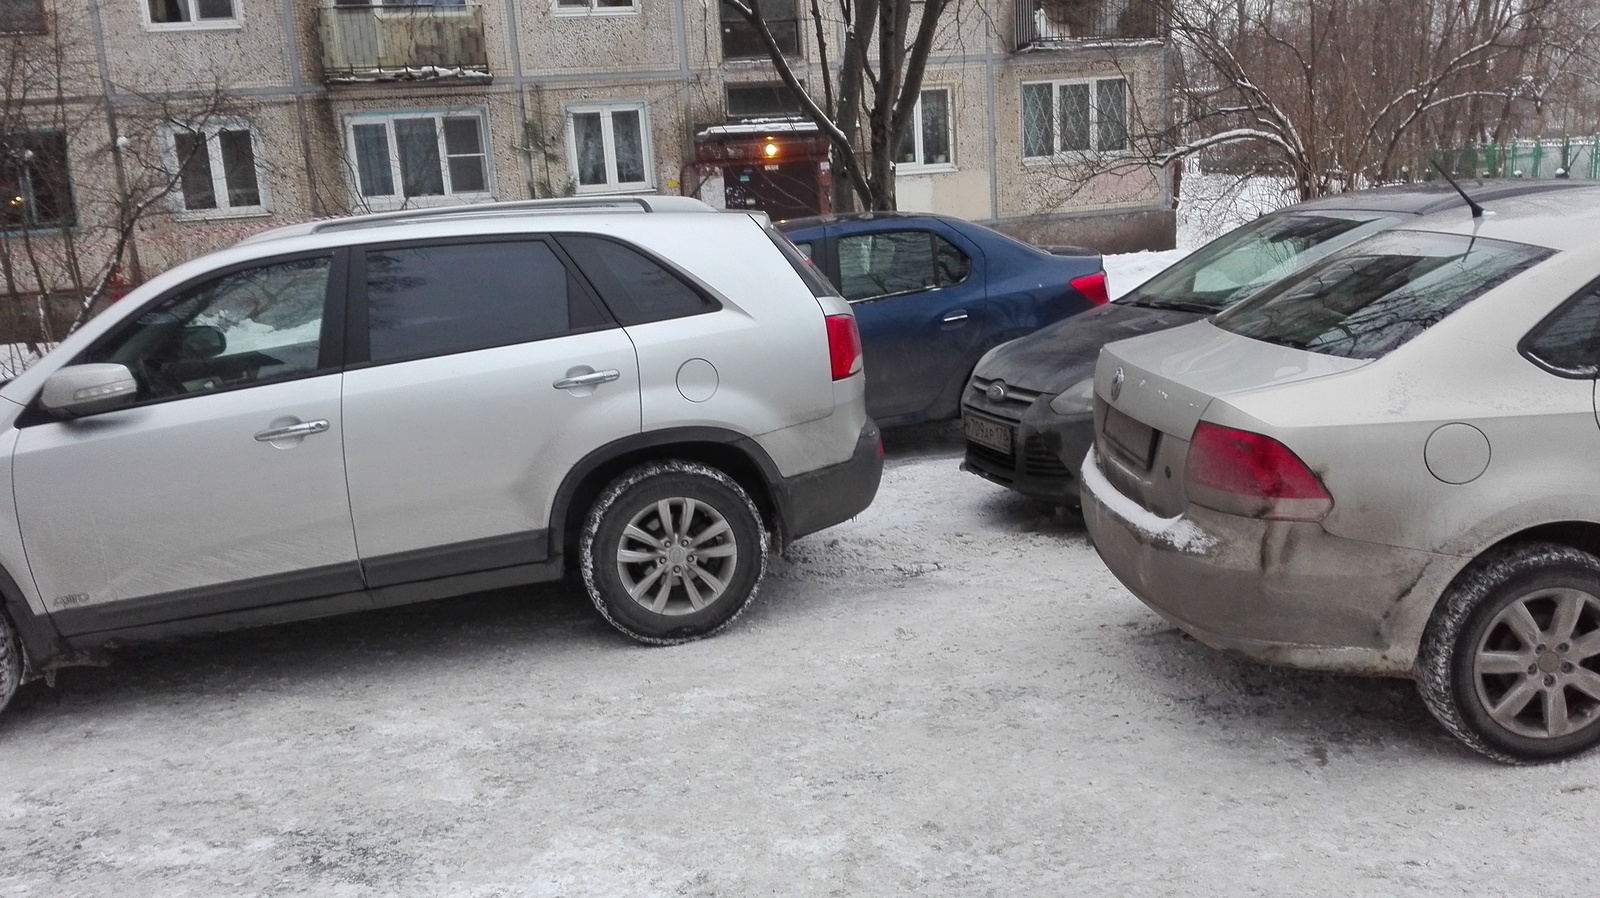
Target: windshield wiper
(1176,305)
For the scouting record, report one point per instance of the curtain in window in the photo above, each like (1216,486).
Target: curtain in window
(629,137)
(590,146)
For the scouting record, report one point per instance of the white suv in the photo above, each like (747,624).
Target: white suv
(394,408)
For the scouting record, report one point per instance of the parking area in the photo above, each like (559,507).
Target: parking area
(946,696)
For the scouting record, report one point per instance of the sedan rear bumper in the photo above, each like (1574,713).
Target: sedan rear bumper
(1281,592)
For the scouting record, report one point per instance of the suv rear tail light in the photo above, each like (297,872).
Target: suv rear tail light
(1093,288)
(844,346)
(1249,474)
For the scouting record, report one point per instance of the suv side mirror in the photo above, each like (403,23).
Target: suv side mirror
(79,390)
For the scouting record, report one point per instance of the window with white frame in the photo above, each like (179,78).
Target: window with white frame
(407,156)
(216,168)
(927,137)
(22,17)
(610,147)
(1074,117)
(190,13)
(595,7)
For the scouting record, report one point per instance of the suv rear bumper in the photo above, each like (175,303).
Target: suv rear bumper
(819,499)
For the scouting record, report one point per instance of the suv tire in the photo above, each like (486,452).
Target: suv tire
(10,660)
(1519,630)
(673,551)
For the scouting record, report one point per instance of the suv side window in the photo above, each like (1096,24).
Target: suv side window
(890,262)
(636,288)
(1568,342)
(458,297)
(255,326)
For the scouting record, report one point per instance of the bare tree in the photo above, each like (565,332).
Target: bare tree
(1335,95)
(879,77)
(82,165)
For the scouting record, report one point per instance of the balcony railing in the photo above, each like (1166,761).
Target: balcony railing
(1058,23)
(403,43)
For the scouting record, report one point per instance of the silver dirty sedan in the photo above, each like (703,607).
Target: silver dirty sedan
(1387,464)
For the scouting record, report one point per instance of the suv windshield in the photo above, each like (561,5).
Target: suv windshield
(1368,299)
(1229,268)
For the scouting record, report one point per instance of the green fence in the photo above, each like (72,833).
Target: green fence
(1578,157)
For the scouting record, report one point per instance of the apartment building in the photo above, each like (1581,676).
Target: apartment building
(195,122)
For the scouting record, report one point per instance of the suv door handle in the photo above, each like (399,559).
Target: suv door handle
(587,380)
(293,430)
(957,316)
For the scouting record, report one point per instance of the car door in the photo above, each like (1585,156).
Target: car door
(222,487)
(488,371)
(919,302)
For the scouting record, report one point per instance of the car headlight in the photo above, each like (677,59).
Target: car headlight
(1077,399)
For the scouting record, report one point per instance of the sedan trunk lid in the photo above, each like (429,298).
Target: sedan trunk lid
(1151,391)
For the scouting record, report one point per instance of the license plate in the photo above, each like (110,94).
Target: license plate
(994,435)
(1135,440)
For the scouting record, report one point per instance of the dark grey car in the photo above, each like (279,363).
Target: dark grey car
(1027,412)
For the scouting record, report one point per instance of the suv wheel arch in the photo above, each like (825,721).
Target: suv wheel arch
(734,454)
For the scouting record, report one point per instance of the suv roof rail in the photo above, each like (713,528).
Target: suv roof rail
(507,208)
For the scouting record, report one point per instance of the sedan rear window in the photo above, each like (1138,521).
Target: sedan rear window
(1368,299)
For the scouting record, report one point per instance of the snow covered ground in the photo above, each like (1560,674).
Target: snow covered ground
(946,696)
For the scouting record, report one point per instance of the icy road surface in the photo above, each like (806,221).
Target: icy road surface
(946,696)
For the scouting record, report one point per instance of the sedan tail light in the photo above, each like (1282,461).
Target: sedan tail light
(1093,288)
(1249,474)
(844,346)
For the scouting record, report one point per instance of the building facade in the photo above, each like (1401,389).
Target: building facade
(186,124)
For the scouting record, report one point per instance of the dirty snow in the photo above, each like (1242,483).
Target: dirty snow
(1177,532)
(946,696)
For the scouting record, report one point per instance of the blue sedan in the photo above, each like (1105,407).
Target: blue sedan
(932,294)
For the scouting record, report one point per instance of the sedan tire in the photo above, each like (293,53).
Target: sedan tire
(1510,661)
(673,551)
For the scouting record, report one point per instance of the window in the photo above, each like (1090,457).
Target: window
(22,17)
(435,300)
(251,327)
(34,183)
(406,157)
(594,7)
(1568,342)
(891,262)
(636,288)
(927,137)
(761,100)
(216,166)
(191,13)
(1074,117)
(1374,296)
(610,147)
(740,40)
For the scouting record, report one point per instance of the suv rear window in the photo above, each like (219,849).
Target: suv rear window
(1368,299)
(636,288)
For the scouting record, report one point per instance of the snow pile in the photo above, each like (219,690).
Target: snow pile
(1126,271)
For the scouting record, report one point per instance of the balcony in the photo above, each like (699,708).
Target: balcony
(1054,24)
(364,44)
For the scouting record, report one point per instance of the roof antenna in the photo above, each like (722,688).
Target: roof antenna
(1477,210)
